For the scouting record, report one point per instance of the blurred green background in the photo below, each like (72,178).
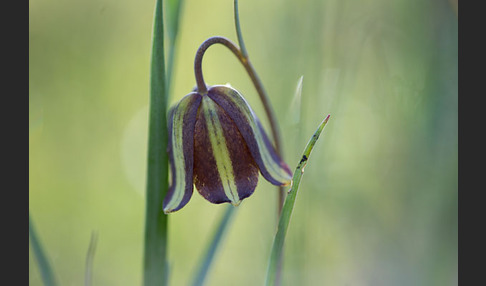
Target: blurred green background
(378,202)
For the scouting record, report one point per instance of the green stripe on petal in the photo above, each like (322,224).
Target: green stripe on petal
(207,177)
(220,150)
(181,151)
(271,165)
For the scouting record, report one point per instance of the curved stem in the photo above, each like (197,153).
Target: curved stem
(201,85)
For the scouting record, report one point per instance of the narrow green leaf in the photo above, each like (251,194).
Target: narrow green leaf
(208,257)
(284,221)
(89,259)
(155,248)
(44,266)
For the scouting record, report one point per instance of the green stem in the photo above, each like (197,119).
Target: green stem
(155,251)
(238,31)
(283,224)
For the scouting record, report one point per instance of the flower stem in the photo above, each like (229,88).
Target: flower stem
(201,85)
(238,31)
(266,104)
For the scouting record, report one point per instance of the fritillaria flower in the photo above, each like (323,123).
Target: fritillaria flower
(218,145)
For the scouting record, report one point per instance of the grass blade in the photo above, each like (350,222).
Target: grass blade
(89,259)
(207,259)
(155,248)
(283,223)
(44,266)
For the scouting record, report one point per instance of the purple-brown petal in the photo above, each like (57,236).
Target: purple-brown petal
(272,167)
(181,152)
(224,170)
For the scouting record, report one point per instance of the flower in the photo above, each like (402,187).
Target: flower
(217,143)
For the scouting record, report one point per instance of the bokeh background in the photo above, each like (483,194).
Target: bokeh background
(378,201)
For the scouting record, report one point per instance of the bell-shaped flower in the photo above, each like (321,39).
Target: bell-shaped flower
(217,143)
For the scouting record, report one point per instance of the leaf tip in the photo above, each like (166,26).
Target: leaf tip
(327,118)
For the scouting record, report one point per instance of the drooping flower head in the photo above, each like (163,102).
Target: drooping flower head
(217,143)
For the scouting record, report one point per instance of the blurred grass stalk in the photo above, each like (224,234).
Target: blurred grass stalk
(208,257)
(44,266)
(88,274)
(283,224)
